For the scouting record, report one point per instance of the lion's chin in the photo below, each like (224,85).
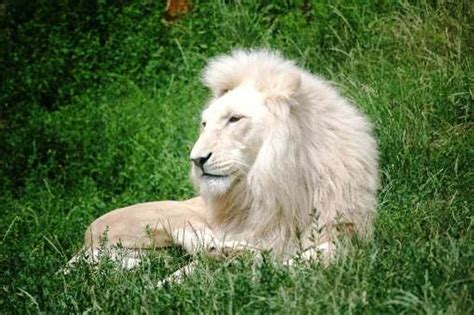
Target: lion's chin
(214,186)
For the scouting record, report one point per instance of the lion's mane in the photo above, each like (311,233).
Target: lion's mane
(317,166)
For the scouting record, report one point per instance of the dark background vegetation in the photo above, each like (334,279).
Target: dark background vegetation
(99,104)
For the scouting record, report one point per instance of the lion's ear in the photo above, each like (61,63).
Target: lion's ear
(282,86)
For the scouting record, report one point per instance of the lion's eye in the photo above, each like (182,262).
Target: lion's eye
(234,119)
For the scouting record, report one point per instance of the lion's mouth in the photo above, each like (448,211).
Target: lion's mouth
(208,175)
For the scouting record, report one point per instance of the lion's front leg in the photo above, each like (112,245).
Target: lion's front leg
(324,245)
(194,240)
(325,253)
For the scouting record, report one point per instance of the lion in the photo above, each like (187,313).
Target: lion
(283,163)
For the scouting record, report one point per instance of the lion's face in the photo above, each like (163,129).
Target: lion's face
(232,131)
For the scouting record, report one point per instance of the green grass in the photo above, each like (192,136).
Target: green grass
(99,109)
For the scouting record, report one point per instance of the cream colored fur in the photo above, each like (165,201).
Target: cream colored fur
(289,160)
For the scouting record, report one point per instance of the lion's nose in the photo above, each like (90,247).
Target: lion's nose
(199,162)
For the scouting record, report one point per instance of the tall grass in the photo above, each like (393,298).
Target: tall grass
(99,108)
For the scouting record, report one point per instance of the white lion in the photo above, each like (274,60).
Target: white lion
(283,163)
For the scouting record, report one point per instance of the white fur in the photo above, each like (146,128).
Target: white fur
(301,161)
(291,162)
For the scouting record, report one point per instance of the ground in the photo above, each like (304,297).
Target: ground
(99,109)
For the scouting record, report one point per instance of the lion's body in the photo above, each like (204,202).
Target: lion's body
(146,225)
(281,160)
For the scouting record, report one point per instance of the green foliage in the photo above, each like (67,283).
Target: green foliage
(99,105)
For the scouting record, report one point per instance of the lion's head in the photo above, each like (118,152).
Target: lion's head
(232,132)
(278,144)
(238,119)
